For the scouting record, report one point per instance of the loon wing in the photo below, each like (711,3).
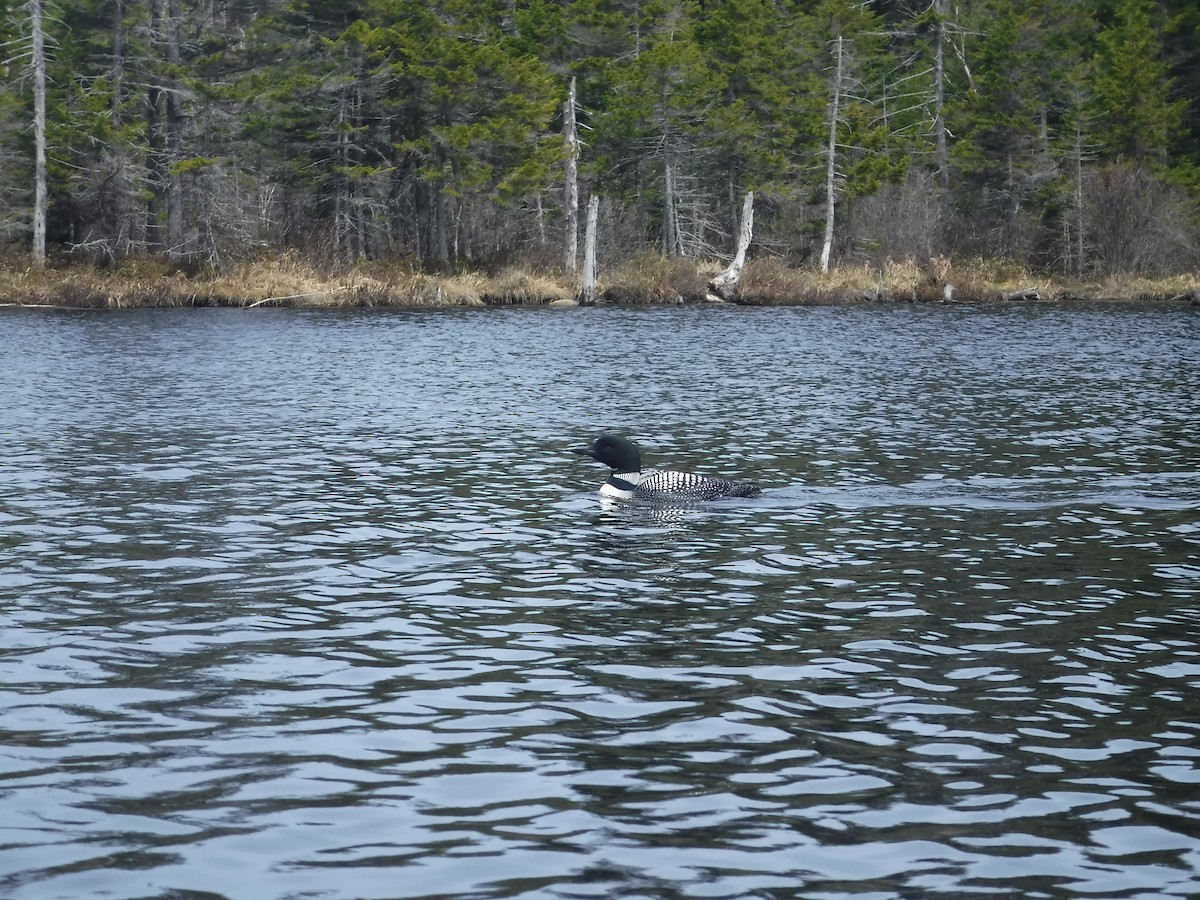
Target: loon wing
(669,485)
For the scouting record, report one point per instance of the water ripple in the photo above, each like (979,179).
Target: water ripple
(320,606)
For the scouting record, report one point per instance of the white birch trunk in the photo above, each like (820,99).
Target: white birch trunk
(571,166)
(39,132)
(831,160)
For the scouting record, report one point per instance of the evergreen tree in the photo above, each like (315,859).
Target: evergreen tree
(762,59)
(652,129)
(379,128)
(1003,150)
(1181,49)
(485,124)
(1138,118)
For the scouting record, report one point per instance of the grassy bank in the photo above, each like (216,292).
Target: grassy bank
(288,281)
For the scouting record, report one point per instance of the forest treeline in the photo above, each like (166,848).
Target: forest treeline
(1063,135)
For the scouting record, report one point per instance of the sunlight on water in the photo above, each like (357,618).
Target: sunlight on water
(320,605)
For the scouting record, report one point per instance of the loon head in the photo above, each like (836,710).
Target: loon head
(618,453)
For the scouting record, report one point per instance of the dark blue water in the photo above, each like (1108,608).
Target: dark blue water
(319,605)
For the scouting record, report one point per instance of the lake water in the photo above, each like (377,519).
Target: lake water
(319,605)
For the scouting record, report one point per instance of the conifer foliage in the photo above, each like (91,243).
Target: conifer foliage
(1060,134)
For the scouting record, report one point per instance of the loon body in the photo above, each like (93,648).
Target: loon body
(629,482)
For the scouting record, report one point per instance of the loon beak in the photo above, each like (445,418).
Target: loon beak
(584,451)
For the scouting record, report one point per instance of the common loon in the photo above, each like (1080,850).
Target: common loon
(629,482)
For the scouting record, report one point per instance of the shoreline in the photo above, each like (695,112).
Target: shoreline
(648,280)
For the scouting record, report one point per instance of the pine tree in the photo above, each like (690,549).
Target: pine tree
(365,128)
(762,58)
(1181,51)
(1132,86)
(1003,149)
(651,133)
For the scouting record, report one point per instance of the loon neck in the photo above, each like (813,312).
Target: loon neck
(620,485)
(624,481)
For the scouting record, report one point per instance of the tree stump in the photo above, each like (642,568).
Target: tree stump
(587,296)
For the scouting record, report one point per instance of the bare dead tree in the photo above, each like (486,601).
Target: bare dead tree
(831,151)
(174,122)
(38,65)
(571,179)
(118,59)
(941,149)
(725,285)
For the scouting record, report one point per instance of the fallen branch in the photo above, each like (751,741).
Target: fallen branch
(333,290)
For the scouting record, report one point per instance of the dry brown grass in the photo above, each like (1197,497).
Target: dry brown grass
(285,280)
(650,278)
(770,281)
(288,280)
(272,280)
(517,287)
(1134,288)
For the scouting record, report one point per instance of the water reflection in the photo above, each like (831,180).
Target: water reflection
(319,605)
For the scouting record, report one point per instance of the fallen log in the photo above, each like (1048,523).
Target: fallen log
(1024,294)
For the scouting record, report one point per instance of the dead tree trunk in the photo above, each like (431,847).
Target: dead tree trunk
(571,166)
(1078,198)
(587,296)
(670,245)
(156,156)
(942,153)
(118,60)
(725,286)
(39,134)
(441,215)
(831,160)
(175,238)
